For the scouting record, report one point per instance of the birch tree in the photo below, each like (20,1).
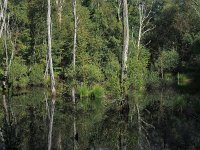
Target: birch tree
(3,9)
(119,9)
(125,42)
(3,30)
(144,20)
(74,47)
(49,26)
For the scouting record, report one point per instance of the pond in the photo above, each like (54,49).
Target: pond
(156,120)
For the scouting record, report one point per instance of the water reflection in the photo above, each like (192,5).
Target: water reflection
(163,119)
(9,134)
(50,113)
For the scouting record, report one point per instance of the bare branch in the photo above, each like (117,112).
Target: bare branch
(149,29)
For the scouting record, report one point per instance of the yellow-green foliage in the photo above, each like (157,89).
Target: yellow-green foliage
(83,91)
(97,92)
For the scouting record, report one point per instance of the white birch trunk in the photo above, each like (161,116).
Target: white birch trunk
(74,48)
(49,49)
(6,59)
(140,29)
(126,41)
(144,19)
(119,9)
(3,8)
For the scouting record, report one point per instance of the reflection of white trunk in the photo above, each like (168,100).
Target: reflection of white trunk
(59,140)
(139,127)
(49,25)
(75,132)
(5,108)
(161,108)
(50,112)
(122,141)
(126,41)
(143,142)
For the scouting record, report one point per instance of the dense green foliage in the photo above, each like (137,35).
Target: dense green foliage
(172,46)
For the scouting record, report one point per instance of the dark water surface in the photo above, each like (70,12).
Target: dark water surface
(158,120)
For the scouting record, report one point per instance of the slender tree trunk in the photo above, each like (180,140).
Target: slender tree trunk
(5,79)
(75,35)
(59,4)
(3,15)
(144,20)
(13,43)
(140,30)
(49,49)
(74,48)
(125,43)
(119,9)
(3,31)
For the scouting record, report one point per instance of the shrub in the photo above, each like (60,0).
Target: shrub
(18,73)
(137,69)
(167,61)
(90,74)
(112,74)
(97,92)
(152,79)
(36,75)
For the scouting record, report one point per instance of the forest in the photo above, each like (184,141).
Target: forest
(117,59)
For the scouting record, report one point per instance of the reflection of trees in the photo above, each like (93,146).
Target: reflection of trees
(137,107)
(9,132)
(143,141)
(122,139)
(106,126)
